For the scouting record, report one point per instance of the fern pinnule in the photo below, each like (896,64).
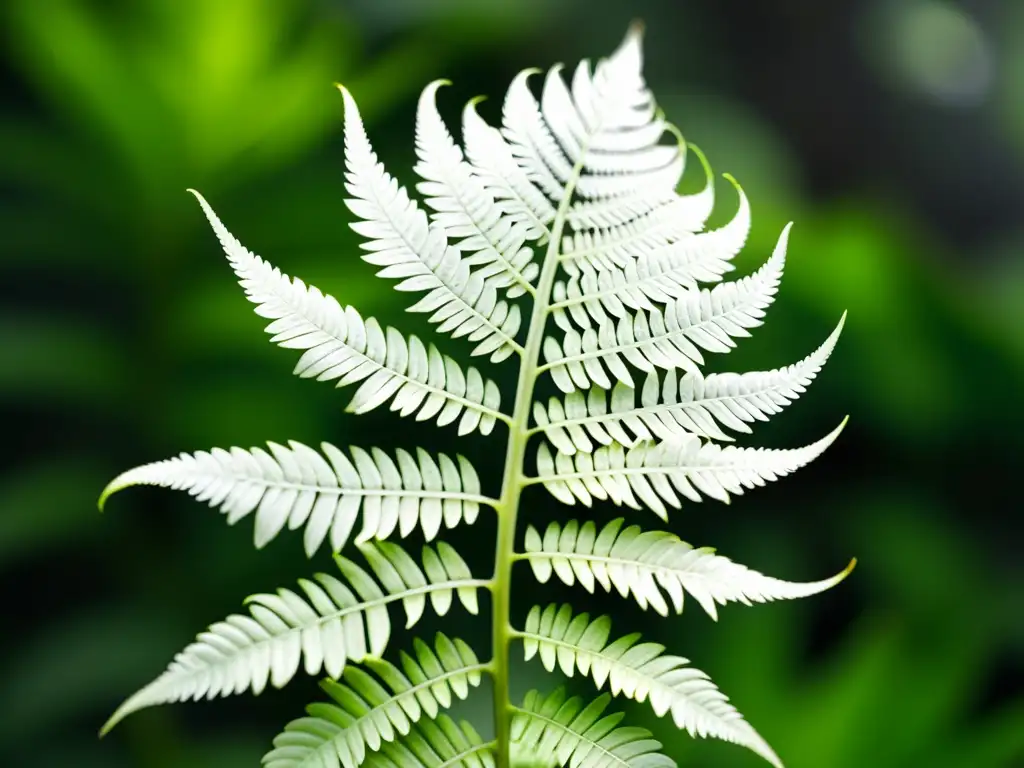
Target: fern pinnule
(557,239)
(463,207)
(296,487)
(638,671)
(340,345)
(619,228)
(657,474)
(677,404)
(669,339)
(409,247)
(650,565)
(555,730)
(368,711)
(331,622)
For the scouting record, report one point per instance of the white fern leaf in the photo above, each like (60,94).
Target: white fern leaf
(601,138)
(437,743)
(666,338)
(639,671)
(492,162)
(677,405)
(407,246)
(621,285)
(553,730)
(296,487)
(331,623)
(369,711)
(615,227)
(466,209)
(341,346)
(595,296)
(658,473)
(650,565)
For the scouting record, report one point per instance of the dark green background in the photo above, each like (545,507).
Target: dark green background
(892,133)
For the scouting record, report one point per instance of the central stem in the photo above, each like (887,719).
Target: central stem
(513,481)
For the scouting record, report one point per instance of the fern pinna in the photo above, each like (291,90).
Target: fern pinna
(566,213)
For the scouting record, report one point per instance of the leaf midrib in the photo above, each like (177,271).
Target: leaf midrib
(640,411)
(341,491)
(322,619)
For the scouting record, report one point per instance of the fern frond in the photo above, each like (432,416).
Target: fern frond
(583,168)
(296,487)
(331,623)
(341,346)
(372,710)
(437,743)
(409,247)
(669,338)
(652,564)
(655,472)
(562,731)
(465,209)
(638,671)
(677,405)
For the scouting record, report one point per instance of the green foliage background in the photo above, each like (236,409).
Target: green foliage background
(124,339)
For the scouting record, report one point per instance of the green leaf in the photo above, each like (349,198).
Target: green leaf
(371,711)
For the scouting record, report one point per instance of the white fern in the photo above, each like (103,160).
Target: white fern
(465,208)
(597,294)
(409,247)
(669,338)
(612,231)
(567,213)
(341,346)
(658,473)
(675,405)
(369,711)
(650,565)
(492,162)
(609,279)
(331,624)
(638,671)
(601,140)
(553,730)
(297,487)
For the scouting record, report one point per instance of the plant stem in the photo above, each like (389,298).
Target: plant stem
(513,481)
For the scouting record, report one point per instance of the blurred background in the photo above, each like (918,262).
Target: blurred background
(890,131)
